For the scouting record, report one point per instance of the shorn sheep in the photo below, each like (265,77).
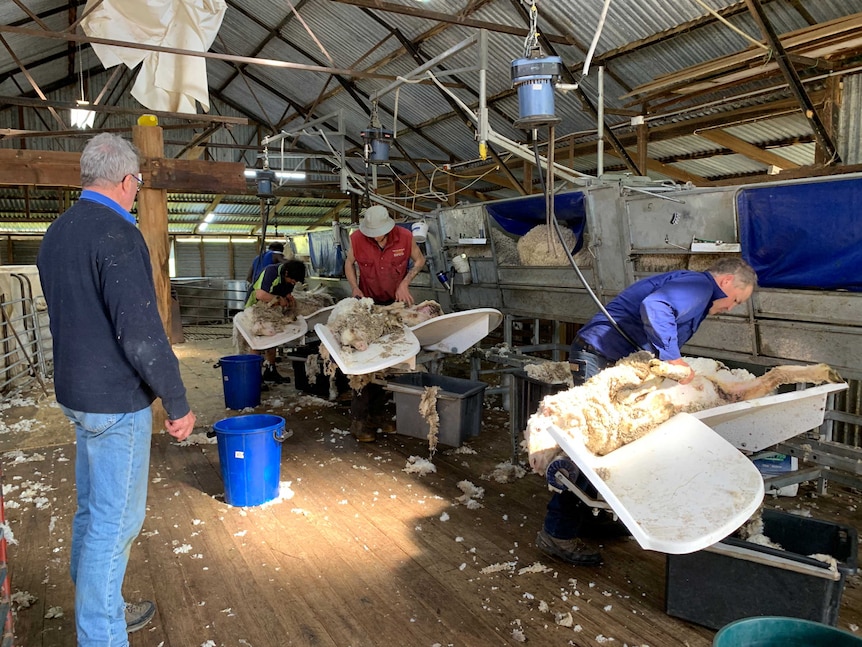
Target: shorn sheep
(625,401)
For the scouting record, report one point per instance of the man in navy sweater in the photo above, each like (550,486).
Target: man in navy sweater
(112,358)
(660,314)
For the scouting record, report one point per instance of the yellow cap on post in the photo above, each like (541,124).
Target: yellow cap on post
(148,120)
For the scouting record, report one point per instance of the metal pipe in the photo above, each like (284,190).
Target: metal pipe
(600,144)
(483,91)
(271,139)
(425,67)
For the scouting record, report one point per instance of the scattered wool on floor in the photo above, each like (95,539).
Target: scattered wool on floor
(419,465)
(471,496)
(505,473)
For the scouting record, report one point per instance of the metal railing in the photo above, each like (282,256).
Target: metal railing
(26,353)
(204,300)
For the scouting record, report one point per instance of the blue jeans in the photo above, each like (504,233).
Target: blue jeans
(111,472)
(566,513)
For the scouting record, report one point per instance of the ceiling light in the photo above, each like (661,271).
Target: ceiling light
(209,217)
(251,174)
(81,117)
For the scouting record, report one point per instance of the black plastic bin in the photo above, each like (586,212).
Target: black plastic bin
(736,579)
(459,406)
(529,392)
(320,388)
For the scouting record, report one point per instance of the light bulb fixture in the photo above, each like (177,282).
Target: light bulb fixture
(81,117)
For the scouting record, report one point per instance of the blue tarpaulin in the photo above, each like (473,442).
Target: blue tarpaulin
(519,216)
(806,235)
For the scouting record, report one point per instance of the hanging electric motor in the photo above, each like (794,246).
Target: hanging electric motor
(377,140)
(534,76)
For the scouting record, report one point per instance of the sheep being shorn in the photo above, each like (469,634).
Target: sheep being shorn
(310,301)
(625,401)
(268,319)
(356,323)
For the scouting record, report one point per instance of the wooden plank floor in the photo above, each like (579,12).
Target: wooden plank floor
(361,553)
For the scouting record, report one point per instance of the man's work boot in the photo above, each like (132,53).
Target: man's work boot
(363,435)
(384,425)
(573,551)
(270,374)
(138,615)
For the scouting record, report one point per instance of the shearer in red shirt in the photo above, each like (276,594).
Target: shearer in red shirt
(382,253)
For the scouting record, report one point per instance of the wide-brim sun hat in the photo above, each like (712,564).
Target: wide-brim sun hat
(376,222)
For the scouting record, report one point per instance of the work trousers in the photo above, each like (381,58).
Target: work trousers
(111,467)
(566,513)
(370,400)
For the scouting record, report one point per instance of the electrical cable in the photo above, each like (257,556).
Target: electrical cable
(596,37)
(552,220)
(724,20)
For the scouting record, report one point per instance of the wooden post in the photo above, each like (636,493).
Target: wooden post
(830,114)
(527,181)
(153,223)
(153,219)
(643,139)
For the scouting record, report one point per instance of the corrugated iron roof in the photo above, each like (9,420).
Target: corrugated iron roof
(640,41)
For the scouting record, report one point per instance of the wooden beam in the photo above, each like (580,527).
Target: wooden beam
(451,18)
(643,145)
(793,82)
(40,168)
(830,113)
(820,41)
(725,139)
(796,174)
(195,176)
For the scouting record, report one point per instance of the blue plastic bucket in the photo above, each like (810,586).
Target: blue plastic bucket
(774,631)
(249,451)
(241,379)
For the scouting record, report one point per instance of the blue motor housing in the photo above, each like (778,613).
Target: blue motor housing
(534,79)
